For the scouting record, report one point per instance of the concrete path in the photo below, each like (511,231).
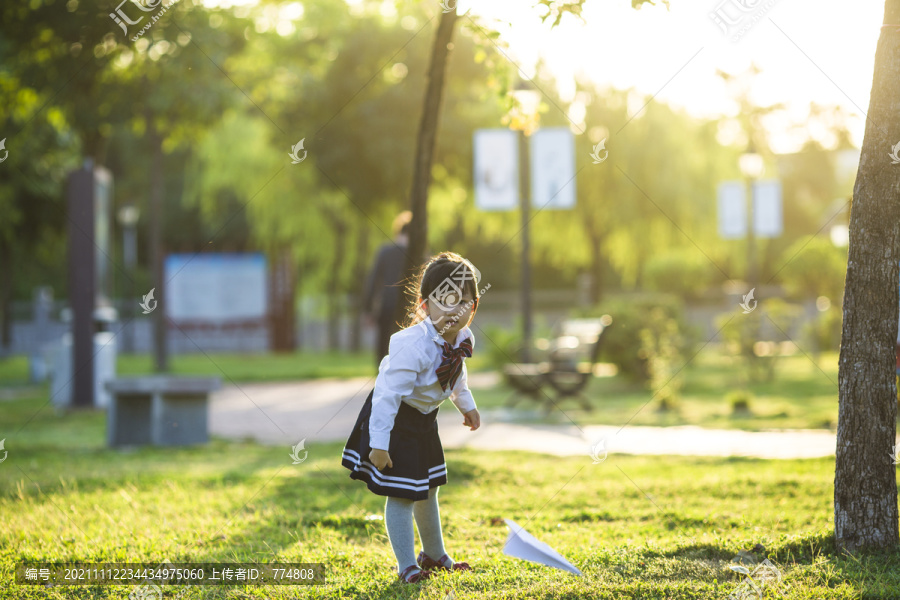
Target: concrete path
(325,410)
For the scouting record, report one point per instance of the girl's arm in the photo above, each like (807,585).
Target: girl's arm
(461,395)
(394,383)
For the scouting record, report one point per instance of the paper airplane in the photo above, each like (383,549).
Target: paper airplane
(522,544)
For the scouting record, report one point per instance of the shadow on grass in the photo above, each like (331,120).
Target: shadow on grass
(65,454)
(95,468)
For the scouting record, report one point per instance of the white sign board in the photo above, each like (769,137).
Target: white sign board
(552,153)
(216,287)
(496,169)
(767,213)
(732,210)
(767,208)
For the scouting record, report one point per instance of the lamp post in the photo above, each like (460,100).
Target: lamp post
(528,99)
(752,168)
(128,217)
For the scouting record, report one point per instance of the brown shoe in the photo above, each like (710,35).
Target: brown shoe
(407,576)
(426,562)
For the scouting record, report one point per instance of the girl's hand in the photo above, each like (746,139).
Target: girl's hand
(380,458)
(472,419)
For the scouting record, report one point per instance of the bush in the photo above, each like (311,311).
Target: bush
(663,345)
(648,337)
(749,336)
(681,272)
(739,401)
(814,268)
(503,345)
(824,332)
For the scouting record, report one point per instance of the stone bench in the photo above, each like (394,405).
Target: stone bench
(160,410)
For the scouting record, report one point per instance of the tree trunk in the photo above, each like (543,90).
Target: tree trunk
(595,294)
(639,267)
(7,278)
(418,234)
(157,194)
(359,278)
(865,482)
(282,286)
(333,287)
(302,268)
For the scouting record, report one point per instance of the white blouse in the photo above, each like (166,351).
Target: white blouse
(408,374)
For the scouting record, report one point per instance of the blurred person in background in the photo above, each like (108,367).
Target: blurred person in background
(383,286)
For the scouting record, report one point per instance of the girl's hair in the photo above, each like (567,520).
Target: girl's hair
(442,272)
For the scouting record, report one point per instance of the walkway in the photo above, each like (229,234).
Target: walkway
(325,410)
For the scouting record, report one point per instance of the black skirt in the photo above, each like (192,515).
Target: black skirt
(415,449)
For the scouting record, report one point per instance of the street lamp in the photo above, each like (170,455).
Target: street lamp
(525,114)
(840,236)
(525,121)
(752,168)
(128,217)
(840,232)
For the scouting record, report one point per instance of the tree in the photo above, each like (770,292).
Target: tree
(865,479)
(33,223)
(418,236)
(550,9)
(178,78)
(39,137)
(165,87)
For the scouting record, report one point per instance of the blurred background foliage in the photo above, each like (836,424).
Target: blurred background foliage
(225,93)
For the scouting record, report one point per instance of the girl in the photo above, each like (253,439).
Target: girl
(395,446)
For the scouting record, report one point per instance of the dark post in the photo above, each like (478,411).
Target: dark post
(157,191)
(130,247)
(524,200)
(282,325)
(752,275)
(82,267)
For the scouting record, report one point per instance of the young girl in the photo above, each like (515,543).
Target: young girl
(395,446)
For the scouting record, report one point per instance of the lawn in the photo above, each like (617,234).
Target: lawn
(638,527)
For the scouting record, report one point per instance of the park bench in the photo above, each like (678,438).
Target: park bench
(159,410)
(566,367)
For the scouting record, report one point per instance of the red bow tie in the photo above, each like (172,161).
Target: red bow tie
(452,363)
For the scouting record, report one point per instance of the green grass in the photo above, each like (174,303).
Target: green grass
(258,367)
(638,527)
(14,371)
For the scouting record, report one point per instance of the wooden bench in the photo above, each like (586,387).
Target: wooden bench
(567,367)
(159,410)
